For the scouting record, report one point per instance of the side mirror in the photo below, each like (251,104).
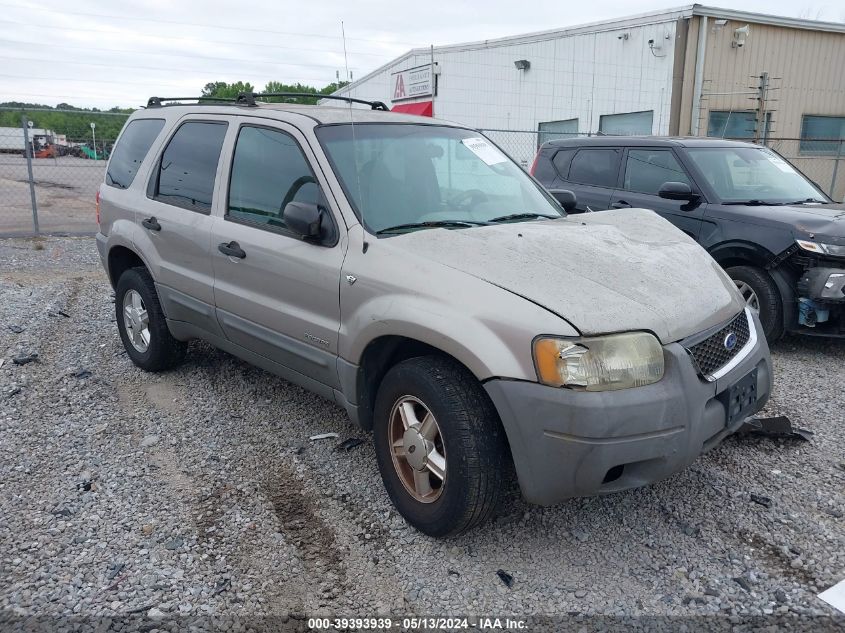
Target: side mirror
(676,191)
(304,218)
(565,197)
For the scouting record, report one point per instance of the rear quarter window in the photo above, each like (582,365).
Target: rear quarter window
(597,167)
(131,150)
(562,160)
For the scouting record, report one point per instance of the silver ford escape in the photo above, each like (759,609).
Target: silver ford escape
(407,269)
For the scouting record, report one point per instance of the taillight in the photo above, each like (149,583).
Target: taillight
(534,164)
(98,207)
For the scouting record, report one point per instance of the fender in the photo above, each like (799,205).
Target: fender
(734,251)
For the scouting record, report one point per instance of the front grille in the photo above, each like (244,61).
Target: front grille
(711,354)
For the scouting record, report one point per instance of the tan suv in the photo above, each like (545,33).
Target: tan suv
(407,269)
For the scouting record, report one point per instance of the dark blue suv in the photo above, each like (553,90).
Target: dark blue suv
(776,233)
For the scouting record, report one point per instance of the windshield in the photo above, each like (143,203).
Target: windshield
(397,175)
(752,174)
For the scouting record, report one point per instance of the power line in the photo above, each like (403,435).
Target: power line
(147,52)
(133,67)
(195,41)
(195,24)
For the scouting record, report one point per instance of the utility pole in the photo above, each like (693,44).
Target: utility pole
(94,137)
(760,131)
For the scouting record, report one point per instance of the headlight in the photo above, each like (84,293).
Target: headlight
(603,363)
(821,248)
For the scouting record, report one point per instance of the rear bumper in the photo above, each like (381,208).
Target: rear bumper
(570,443)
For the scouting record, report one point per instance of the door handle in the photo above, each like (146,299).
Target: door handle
(151,224)
(232,249)
(620,204)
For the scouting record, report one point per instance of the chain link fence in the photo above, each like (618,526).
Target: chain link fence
(50,170)
(821,160)
(49,173)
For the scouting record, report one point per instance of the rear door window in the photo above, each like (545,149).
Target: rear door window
(269,170)
(647,169)
(131,150)
(188,166)
(597,167)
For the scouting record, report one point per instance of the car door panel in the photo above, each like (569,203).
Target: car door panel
(592,176)
(176,234)
(644,170)
(281,299)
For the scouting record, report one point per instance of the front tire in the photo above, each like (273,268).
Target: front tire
(141,323)
(440,445)
(761,294)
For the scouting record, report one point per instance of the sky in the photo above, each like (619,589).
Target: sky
(96,54)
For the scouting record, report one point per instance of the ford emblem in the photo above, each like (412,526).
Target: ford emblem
(730,341)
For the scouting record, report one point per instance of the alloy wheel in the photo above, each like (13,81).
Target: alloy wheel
(417,449)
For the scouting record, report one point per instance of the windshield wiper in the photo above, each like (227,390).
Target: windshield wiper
(755,203)
(806,200)
(431,224)
(523,216)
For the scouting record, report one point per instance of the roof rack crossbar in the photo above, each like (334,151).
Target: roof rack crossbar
(249,98)
(157,102)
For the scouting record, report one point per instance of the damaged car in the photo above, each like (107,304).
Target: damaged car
(408,270)
(777,234)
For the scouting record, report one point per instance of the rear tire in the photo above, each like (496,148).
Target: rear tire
(468,440)
(156,350)
(750,279)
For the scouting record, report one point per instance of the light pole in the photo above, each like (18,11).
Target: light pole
(94,138)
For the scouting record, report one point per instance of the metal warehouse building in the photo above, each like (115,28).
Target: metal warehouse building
(694,70)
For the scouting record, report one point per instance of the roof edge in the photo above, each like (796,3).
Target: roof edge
(769,19)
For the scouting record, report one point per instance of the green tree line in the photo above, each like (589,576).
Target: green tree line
(76,122)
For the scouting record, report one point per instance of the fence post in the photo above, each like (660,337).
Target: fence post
(28,151)
(836,166)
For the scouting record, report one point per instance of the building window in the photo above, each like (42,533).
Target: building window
(823,135)
(552,130)
(627,124)
(736,124)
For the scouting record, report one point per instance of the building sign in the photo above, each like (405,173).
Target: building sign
(412,83)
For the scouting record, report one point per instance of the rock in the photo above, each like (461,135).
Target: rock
(174,544)
(149,440)
(581,593)
(795,563)
(780,596)
(147,529)
(581,535)
(155,614)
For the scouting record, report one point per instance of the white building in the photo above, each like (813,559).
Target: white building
(693,70)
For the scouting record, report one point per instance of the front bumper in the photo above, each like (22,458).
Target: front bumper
(569,443)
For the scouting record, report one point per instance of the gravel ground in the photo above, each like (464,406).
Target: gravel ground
(197,492)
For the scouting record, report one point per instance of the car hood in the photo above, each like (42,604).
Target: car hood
(602,272)
(815,221)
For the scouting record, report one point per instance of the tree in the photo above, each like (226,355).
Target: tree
(223,90)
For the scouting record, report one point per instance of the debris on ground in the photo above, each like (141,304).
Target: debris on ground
(324,436)
(221,586)
(778,427)
(25,359)
(743,582)
(505,577)
(348,445)
(17,329)
(763,501)
(82,373)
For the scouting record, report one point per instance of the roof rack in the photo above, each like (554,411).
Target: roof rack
(248,98)
(157,102)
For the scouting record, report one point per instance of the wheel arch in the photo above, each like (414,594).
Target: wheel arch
(377,358)
(120,259)
(739,253)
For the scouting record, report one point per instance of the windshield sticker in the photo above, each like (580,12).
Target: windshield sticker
(486,152)
(779,162)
